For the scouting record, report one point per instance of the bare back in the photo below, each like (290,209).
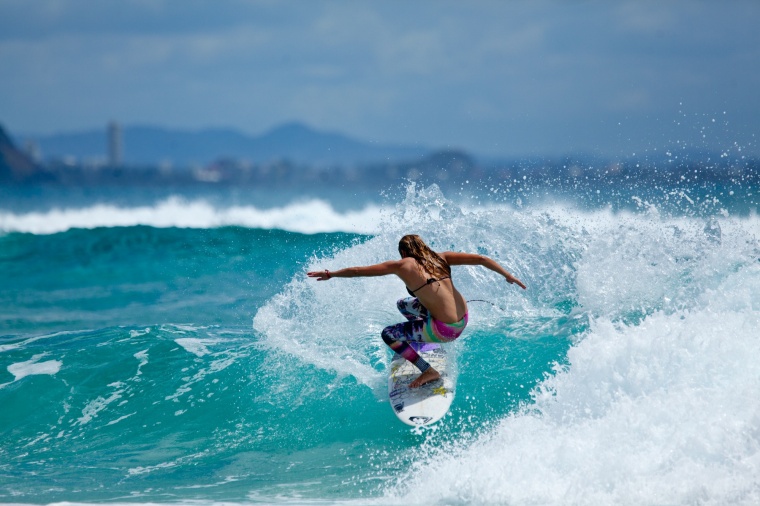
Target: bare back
(440,297)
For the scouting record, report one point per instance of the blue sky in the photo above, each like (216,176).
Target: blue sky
(504,78)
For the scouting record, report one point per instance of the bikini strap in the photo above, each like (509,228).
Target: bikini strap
(428,282)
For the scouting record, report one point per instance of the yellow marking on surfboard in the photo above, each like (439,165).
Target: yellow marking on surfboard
(440,391)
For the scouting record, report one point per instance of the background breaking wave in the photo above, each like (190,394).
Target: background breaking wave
(306,217)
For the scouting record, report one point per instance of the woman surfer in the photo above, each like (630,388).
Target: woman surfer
(436,311)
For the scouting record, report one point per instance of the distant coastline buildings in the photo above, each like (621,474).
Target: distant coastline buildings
(115,145)
(281,160)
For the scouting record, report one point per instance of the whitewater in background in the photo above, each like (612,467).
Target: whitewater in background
(175,351)
(307,217)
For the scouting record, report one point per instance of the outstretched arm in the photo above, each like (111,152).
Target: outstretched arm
(383,269)
(455,258)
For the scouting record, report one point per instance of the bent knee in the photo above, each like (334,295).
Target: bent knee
(388,335)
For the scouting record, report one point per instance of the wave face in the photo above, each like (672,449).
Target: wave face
(626,373)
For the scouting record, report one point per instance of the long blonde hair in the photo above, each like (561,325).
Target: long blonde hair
(413,246)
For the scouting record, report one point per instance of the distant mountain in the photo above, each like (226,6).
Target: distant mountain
(15,166)
(144,145)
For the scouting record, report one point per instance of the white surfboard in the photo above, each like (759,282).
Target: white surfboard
(430,402)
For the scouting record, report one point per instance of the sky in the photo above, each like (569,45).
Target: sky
(497,78)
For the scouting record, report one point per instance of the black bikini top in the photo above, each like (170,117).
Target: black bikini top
(430,281)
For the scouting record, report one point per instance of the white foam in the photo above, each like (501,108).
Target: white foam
(164,465)
(138,333)
(216,362)
(658,402)
(114,422)
(195,345)
(95,406)
(142,356)
(662,413)
(25,342)
(306,217)
(32,367)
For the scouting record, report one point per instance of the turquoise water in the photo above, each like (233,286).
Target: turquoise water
(146,360)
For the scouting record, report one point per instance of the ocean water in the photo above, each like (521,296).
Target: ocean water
(170,349)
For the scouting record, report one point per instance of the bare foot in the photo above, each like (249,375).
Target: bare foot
(426,377)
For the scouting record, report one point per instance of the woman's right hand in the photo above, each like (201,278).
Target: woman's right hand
(320,275)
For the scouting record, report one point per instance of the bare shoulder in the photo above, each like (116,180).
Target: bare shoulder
(406,264)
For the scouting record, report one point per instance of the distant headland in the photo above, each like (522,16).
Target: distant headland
(297,156)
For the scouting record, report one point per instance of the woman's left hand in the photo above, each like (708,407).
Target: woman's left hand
(514,281)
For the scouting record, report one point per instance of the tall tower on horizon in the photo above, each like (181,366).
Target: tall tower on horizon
(115,145)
